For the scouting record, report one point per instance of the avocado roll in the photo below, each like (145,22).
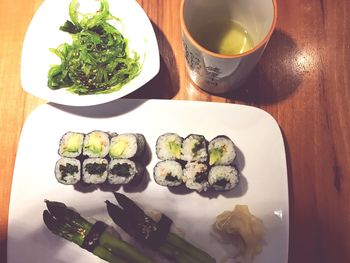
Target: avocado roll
(123,171)
(194,149)
(71,144)
(195,176)
(168,146)
(95,170)
(221,151)
(223,177)
(168,173)
(96,144)
(67,171)
(127,145)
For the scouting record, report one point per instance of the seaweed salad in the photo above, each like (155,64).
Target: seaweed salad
(98,60)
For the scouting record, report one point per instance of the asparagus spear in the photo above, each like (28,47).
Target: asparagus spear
(136,223)
(68,224)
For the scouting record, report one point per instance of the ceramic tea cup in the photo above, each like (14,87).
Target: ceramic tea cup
(223,40)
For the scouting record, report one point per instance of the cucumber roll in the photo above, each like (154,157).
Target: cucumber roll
(71,144)
(168,173)
(95,170)
(96,144)
(123,171)
(168,146)
(67,171)
(127,145)
(221,151)
(194,149)
(223,177)
(196,176)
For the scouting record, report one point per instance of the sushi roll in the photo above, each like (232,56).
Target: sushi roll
(195,176)
(67,171)
(123,171)
(95,170)
(168,173)
(168,146)
(223,178)
(96,144)
(194,149)
(71,144)
(127,145)
(221,151)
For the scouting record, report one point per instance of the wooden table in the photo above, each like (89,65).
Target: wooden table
(302,80)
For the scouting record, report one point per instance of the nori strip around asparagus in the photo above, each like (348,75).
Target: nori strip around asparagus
(68,224)
(137,224)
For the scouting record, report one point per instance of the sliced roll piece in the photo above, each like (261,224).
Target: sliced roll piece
(196,176)
(221,151)
(127,145)
(95,170)
(71,144)
(168,146)
(96,144)
(124,171)
(223,177)
(194,149)
(168,173)
(67,171)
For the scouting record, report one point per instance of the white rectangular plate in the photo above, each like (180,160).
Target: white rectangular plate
(261,160)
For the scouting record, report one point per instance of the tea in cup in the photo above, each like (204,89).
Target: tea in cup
(223,40)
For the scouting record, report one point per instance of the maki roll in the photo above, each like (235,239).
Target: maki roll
(168,146)
(96,144)
(71,144)
(168,173)
(194,149)
(196,176)
(123,171)
(221,151)
(127,145)
(95,170)
(223,178)
(67,171)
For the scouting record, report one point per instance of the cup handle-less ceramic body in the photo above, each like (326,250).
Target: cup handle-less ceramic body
(218,73)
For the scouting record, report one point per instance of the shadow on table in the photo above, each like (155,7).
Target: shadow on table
(277,75)
(166,84)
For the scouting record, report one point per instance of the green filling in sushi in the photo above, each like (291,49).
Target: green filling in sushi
(67,170)
(122,170)
(169,177)
(175,148)
(73,143)
(201,177)
(197,145)
(215,155)
(221,182)
(95,168)
(94,144)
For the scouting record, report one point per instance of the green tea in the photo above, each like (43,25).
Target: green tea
(224,37)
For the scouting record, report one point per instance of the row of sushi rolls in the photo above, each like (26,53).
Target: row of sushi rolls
(100,157)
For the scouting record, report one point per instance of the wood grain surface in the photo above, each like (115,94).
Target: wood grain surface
(302,80)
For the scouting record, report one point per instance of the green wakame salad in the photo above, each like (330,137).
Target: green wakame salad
(98,60)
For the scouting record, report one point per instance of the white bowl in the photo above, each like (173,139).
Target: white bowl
(43,33)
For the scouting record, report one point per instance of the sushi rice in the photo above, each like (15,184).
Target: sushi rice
(168,173)
(123,171)
(67,171)
(195,176)
(127,145)
(71,144)
(168,146)
(223,177)
(95,170)
(96,144)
